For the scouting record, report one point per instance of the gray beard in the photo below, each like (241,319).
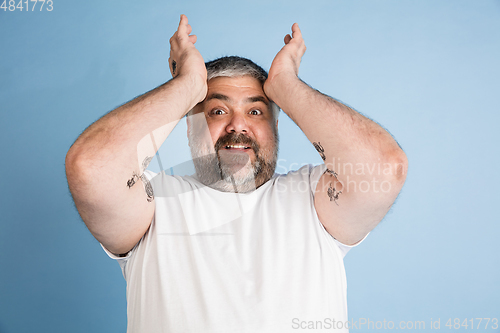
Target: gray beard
(232,172)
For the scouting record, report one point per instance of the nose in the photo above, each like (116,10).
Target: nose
(237,124)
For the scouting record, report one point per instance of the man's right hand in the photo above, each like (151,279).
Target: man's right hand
(185,60)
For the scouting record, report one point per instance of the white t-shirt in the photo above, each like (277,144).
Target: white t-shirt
(214,261)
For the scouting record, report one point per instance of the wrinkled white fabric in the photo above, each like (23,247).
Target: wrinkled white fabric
(226,262)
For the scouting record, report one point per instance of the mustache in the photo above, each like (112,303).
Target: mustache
(236,138)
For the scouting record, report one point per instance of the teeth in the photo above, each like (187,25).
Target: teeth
(236,146)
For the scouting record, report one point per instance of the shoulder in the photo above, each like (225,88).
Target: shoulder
(308,175)
(297,183)
(165,185)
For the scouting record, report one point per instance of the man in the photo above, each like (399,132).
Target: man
(234,248)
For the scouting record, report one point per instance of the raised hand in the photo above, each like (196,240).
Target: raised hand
(287,62)
(185,60)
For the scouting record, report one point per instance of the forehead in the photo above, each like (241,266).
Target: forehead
(236,87)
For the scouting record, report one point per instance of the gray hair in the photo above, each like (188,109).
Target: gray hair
(234,66)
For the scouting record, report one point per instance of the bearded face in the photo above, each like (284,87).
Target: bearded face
(229,167)
(233,136)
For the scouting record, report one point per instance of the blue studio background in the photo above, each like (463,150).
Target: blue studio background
(426,70)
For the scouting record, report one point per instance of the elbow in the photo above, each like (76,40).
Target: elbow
(399,166)
(72,163)
(393,167)
(78,170)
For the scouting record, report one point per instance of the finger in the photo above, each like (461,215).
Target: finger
(189,29)
(193,39)
(303,49)
(183,20)
(173,37)
(288,38)
(183,23)
(296,31)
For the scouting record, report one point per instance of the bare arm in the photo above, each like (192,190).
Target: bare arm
(106,163)
(366,168)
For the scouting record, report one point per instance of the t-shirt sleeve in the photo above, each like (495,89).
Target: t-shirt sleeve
(345,248)
(315,174)
(122,261)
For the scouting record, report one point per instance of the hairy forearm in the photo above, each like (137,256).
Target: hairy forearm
(341,135)
(115,150)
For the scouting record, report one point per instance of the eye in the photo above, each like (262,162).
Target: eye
(218,112)
(255,112)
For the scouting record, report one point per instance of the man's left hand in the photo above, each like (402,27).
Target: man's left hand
(286,63)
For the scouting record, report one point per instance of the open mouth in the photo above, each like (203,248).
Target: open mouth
(236,143)
(237,147)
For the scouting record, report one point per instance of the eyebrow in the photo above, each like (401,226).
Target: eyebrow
(217,96)
(252,99)
(255,99)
